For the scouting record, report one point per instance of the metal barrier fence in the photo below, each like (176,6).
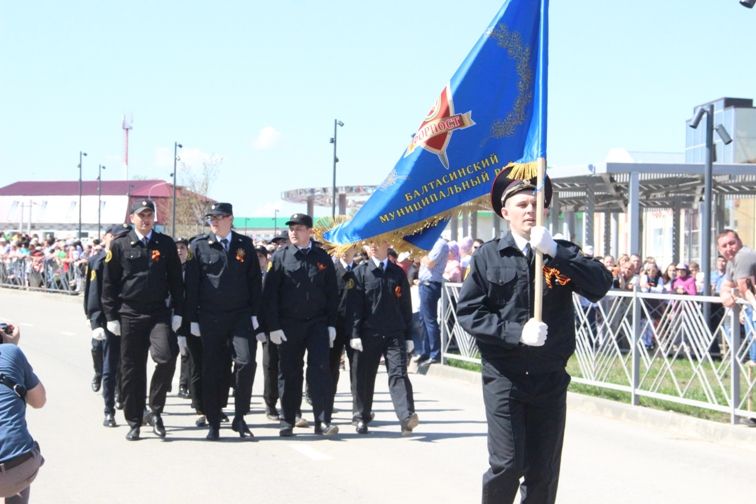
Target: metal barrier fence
(32,273)
(659,346)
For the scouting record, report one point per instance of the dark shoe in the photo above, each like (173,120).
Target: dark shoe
(133,434)
(213,434)
(96,383)
(147,418)
(326,429)
(302,423)
(409,423)
(223,417)
(119,404)
(201,421)
(184,393)
(109,420)
(272,414)
(157,425)
(240,426)
(286,432)
(361,427)
(356,419)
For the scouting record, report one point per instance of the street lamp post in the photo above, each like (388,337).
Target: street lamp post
(275,222)
(99,199)
(708,111)
(81,155)
(176,147)
(336,124)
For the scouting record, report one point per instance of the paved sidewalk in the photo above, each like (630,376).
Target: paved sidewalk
(607,457)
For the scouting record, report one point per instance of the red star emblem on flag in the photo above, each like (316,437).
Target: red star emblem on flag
(436,129)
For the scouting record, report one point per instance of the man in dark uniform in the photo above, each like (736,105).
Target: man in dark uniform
(345,266)
(299,305)
(111,344)
(223,288)
(379,307)
(141,280)
(185,366)
(523,359)
(270,353)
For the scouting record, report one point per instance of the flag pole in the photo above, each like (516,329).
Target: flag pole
(538,281)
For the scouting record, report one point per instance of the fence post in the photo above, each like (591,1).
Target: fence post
(442,321)
(734,362)
(635,347)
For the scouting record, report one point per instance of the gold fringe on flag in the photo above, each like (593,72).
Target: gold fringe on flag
(522,171)
(396,237)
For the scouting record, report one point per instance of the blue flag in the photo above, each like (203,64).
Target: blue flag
(491,114)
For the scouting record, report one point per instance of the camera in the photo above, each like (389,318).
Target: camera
(6,330)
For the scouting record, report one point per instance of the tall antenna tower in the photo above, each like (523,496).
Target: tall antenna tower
(127,124)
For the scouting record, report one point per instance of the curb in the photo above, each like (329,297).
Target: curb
(676,424)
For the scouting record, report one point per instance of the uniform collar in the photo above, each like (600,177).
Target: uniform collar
(219,238)
(508,241)
(520,242)
(141,237)
(377,263)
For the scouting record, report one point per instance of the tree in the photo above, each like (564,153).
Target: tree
(191,197)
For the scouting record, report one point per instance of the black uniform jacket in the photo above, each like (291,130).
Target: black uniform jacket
(300,286)
(138,278)
(92,290)
(222,282)
(342,281)
(380,301)
(496,301)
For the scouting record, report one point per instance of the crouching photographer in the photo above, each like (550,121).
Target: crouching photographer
(20,457)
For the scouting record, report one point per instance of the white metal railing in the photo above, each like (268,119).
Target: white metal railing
(682,349)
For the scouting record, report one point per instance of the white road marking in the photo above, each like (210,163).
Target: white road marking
(67,333)
(309,452)
(25,324)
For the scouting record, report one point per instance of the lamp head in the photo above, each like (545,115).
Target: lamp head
(697,118)
(722,132)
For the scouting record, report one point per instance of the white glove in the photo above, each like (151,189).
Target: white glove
(176,322)
(255,323)
(277,337)
(114,326)
(356,344)
(183,348)
(534,333)
(98,334)
(261,337)
(540,239)
(331,335)
(410,346)
(194,329)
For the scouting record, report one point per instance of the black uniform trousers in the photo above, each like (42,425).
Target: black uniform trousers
(225,338)
(141,334)
(111,371)
(365,368)
(194,349)
(270,374)
(526,417)
(341,341)
(184,371)
(311,336)
(97,356)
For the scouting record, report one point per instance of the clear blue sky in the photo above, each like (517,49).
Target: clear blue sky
(258,84)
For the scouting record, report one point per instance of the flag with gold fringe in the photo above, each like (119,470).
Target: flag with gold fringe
(490,115)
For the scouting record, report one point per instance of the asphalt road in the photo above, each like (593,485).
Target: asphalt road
(607,458)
